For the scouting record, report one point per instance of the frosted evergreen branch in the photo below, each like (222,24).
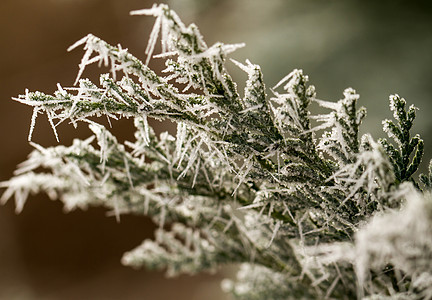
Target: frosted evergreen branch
(244,180)
(405,160)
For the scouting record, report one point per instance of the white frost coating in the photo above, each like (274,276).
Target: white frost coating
(393,105)
(399,237)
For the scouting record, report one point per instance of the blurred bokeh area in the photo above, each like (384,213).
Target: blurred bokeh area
(376,47)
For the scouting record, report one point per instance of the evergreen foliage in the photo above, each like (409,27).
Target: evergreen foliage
(245,180)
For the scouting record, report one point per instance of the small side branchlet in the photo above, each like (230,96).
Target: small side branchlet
(407,156)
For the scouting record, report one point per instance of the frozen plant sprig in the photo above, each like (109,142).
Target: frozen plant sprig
(404,166)
(245,180)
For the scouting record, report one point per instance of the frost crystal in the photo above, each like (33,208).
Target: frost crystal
(245,179)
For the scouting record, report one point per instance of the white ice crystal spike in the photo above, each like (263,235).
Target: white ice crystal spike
(291,78)
(33,122)
(153,39)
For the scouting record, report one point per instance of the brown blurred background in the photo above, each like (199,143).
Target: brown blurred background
(377,47)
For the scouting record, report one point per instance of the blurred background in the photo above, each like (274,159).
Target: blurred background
(376,47)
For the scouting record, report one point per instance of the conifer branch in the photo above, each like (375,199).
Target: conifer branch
(244,180)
